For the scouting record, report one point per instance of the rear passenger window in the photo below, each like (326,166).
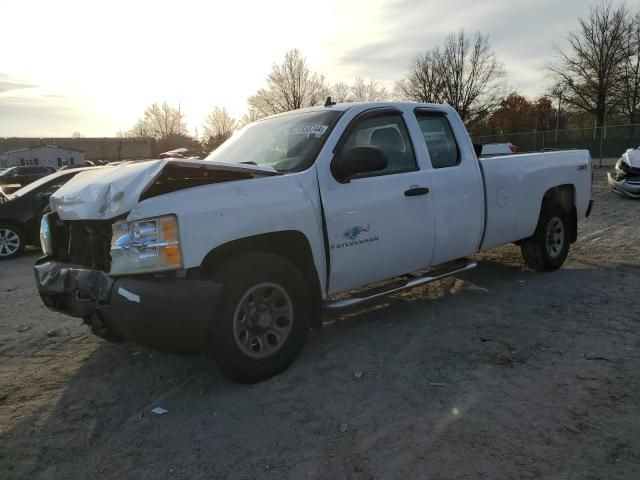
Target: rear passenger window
(440,140)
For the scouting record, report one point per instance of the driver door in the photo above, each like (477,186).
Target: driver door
(379,224)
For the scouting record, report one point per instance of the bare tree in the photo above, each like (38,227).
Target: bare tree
(251,116)
(160,122)
(218,127)
(422,82)
(125,134)
(371,91)
(470,76)
(141,129)
(627,90)
(464,73)
(219,123)
(290,86)
(590,66)
(341,93)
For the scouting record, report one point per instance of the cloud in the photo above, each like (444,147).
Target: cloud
(40,115)
(8,83)
(522,34)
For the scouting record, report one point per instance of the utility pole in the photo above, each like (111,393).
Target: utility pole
(558,116)
(603,129)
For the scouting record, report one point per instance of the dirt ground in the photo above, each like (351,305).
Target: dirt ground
(501,373)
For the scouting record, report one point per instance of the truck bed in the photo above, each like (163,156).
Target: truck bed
(515,185)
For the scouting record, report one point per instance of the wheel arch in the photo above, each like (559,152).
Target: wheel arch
(565,196)
(292,245)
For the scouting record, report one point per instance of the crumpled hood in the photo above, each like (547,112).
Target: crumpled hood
(109,192)
(632,158)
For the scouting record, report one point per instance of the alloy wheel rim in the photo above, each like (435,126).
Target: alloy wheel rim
(555,237)
(262,320)
(9,242)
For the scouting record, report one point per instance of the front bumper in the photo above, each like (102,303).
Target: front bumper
(626,188)
(165,314)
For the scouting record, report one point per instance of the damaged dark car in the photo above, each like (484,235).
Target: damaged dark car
(21,212)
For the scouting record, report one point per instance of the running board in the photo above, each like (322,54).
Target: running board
(457,267)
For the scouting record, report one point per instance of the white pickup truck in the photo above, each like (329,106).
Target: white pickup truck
(239,254)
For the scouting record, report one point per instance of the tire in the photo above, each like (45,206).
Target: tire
(548,248)
(253,340)
(12,241)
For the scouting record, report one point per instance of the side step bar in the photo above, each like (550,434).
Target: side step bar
(433,276)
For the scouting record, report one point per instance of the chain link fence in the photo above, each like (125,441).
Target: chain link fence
(609,141)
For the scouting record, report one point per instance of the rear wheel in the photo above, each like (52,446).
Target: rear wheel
(12,241)
(548,248)
(263,318)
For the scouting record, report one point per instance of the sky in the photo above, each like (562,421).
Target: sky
(94,66)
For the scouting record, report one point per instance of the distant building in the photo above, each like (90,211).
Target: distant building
(110,149)
(45,155)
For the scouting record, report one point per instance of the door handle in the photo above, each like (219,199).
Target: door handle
(414,192)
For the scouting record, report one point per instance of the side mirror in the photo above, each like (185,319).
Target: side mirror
(357,160)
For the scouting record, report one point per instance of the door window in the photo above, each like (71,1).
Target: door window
(440,140)
(388,133)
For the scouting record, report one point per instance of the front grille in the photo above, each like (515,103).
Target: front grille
(89,244)
(82,242)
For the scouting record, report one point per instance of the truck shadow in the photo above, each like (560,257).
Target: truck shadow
(104,412)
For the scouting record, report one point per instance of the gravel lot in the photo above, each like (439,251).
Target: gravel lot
(501,373)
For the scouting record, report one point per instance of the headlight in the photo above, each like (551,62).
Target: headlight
(45,235)
(143,246)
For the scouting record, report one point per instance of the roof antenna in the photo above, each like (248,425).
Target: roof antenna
(328,102)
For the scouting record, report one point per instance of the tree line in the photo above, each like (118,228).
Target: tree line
(595,79)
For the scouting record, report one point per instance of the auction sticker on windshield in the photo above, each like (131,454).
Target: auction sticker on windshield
(310,129)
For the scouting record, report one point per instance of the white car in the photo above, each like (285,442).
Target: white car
(490,149)
(238,254)
(625,180)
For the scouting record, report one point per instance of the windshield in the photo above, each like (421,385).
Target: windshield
(38,183)
(286,143)
(7,171)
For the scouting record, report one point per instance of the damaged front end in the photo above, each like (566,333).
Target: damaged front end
(121,277)
(110,192)
(625,179)
(75,278)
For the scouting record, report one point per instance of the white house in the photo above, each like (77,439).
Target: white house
(46,155)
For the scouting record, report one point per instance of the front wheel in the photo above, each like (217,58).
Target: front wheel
(548,248)
(263,319)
